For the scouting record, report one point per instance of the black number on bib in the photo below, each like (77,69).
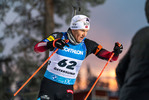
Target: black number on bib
(71,64)
(62,63)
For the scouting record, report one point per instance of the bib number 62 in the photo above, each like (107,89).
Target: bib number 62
(68,65)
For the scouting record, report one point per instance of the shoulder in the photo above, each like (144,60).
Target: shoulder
(56,35)
(141,35)
(53,36)
(90,45)
(90,42)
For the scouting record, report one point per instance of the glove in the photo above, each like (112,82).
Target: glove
(118,48)
(59,43)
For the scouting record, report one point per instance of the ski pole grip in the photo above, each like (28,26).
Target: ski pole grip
(67,41)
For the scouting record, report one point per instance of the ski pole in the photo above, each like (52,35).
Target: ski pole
(37,71)
(34,73)
(98,76)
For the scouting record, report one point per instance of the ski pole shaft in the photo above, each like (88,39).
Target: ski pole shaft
(34,73)
(98,77)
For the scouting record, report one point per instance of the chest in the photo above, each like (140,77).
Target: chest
(73,51)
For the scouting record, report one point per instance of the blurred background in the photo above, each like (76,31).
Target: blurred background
(23,23)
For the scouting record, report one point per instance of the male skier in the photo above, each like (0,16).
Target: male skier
(64,65)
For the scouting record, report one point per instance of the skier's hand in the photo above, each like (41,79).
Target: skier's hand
(118,48)
(59,43)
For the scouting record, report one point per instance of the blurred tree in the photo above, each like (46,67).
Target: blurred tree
(91,80)
(25,23)
(5,79)
(103,84)
(90,77)
(77,86)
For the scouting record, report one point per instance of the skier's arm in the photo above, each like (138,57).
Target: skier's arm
(43,46)
(99,51)
(105,54)
(47,43)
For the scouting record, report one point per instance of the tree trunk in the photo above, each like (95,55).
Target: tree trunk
(49,20)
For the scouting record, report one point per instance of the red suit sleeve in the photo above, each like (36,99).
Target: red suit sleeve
(47,43)
(40,47)
(104,54)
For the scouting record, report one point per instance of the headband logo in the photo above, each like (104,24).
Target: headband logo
(86,26)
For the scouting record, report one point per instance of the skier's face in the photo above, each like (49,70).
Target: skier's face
(80,34)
